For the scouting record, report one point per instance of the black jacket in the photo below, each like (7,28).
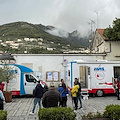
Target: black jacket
(51,98)
(38,92)
(79,86)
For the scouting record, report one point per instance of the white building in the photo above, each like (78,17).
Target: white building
(26,39)
(9,42)
(43,64)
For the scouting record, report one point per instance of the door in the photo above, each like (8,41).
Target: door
(29,83)
(116,71)
(84,71)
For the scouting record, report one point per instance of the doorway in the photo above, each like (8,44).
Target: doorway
(83,72)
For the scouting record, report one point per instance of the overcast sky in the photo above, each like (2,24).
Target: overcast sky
(68,15)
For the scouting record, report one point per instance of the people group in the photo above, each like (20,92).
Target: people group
(56,97)
(76,93)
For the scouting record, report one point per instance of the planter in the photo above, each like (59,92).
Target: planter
(96,119)
(8,96)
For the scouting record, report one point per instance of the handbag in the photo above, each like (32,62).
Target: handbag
(78,93)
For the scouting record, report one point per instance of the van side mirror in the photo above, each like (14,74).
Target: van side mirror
(34,81)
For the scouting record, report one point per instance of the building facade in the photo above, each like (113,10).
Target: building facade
(109,47)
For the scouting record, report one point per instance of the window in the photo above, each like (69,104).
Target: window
(52,76)
(30,78)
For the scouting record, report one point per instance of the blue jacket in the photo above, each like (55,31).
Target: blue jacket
(62,92)
(2,96)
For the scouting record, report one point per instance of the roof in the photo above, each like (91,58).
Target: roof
(6,57)
(101,32)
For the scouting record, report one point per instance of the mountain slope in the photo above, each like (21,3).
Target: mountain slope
(23,29)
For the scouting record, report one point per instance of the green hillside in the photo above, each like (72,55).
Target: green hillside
(26,30)
(21,30)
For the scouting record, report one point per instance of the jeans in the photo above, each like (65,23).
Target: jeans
(36,100)
(79,98)
(75,102)
(64,101)
(1,105)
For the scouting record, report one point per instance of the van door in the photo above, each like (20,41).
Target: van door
(116,71)
(84,71)
(29,83)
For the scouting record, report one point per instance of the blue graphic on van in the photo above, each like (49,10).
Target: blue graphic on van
(99,69)
(13,71)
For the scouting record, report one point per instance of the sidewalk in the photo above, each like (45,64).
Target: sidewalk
(20,108)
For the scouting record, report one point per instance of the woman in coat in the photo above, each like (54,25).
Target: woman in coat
(63,92)
(74,94)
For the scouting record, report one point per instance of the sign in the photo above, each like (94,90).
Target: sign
(99,72)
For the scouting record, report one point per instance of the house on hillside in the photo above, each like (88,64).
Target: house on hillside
(102,45)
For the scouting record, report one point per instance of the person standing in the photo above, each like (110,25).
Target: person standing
(38,93)
(2,99)
(118,85)
(74,94)
(51,98)
(62,81)
(63,92)
(79,96)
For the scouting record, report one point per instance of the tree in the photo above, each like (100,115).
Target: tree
(6,73)
(113,32)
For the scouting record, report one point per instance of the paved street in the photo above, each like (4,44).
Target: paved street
(20,108)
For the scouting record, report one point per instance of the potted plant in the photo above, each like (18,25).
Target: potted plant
(6,74)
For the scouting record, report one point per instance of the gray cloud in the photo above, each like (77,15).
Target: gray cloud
(68,15)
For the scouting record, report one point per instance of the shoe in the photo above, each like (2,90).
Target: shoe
(80,107)
(31,113)
(75,111)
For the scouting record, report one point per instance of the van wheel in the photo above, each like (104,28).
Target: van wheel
(100,93)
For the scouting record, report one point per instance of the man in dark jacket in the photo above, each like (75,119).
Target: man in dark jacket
(38,93)
(51,98)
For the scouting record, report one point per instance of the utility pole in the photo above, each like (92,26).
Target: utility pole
(91,36)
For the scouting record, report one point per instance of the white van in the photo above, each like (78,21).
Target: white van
(96,77)
(23,82)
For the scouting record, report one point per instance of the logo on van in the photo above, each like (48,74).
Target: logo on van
(99,69)
(99,72)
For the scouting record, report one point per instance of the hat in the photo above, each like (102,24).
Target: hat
(52,85)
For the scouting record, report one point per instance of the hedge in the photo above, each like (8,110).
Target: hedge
(60,113)
(3,115)
(112,111)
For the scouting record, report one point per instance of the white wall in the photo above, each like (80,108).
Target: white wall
(51,62)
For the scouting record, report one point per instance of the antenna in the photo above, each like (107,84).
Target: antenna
(97,19)
(91,23)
